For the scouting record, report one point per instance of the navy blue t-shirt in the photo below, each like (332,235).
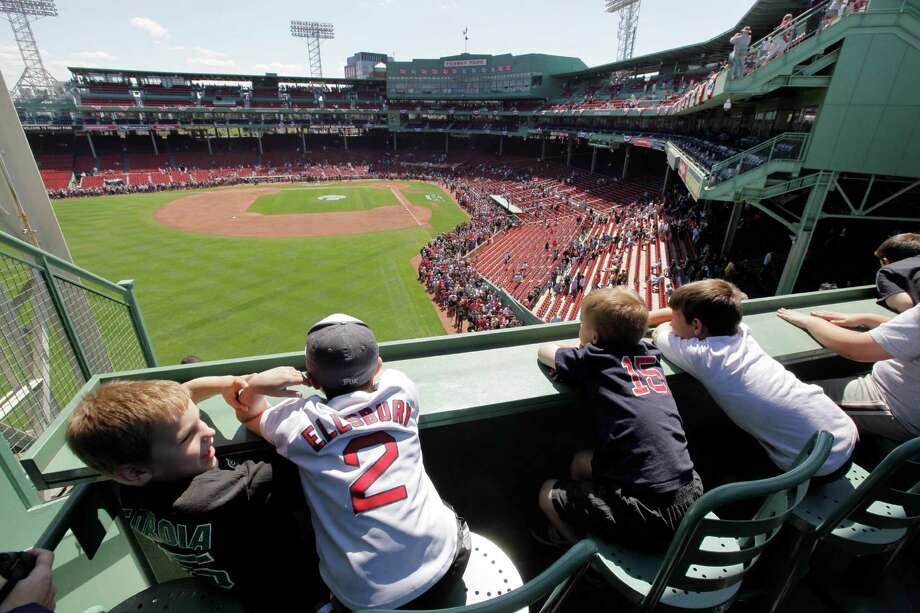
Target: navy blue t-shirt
(897,277)
(640,436)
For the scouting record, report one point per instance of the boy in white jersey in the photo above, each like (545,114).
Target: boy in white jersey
(705,337)
(384,536)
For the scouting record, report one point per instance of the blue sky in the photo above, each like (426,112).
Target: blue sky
(253,37)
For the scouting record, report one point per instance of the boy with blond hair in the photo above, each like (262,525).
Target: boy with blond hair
(384,537)
(706,338)
(638,481)
(149,437)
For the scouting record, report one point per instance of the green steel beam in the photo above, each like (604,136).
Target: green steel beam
(891,197)
(804,231)
(763,209)
(140,329)
(737,210)
(820,63)
(862,205)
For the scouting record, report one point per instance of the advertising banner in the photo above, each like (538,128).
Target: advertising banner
(464,63)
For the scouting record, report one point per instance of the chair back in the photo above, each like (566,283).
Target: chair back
(709,554)
(889,498)
(554,579)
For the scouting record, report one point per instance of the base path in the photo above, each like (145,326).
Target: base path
(225,213)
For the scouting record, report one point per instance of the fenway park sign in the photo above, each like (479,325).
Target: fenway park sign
(463,63)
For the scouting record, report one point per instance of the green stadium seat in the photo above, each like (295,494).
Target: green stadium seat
(860,514)
(708,557)
(491,584)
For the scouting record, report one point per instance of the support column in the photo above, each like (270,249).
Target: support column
(667,175)
(446,143)
(345,140)
(92,148)
(593,159)
(210,151)
(153,139)
(394,141)
(728,241)
(625,163)
(568,155)
(501,145)
(303,144)
(543,149)
(805,228)
(259,139)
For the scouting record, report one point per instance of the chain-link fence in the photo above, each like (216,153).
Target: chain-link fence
(59,326)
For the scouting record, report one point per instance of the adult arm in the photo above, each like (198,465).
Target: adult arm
(899,302)
(852,320)
(856,346)
(36,588)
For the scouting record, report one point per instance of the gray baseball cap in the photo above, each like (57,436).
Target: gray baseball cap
(341,352)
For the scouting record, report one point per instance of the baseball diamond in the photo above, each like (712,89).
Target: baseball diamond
(201,261)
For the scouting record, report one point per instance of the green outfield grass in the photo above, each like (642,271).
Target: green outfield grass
(357,197)
(229,297)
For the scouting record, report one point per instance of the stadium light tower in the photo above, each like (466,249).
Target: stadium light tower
(314,32)
(34,78)
(629,25)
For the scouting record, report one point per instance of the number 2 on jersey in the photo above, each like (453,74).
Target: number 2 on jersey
(360,501)
(654,378)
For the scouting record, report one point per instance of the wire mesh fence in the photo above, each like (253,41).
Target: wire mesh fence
(59,326)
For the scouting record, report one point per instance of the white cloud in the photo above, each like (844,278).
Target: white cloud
(281,68)
(209,57)
(151,27)
(10,64)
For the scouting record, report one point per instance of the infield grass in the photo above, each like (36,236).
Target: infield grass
(339,197)
(221,297)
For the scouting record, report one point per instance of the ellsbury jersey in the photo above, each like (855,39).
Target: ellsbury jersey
(383,534)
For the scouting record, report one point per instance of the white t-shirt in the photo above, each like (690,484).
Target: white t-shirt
(383,534)
(761,396)
(899,378)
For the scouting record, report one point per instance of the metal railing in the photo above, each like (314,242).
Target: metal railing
(59,326)
(789,146)
(776,43)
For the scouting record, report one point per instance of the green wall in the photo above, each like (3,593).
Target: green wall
(870,120)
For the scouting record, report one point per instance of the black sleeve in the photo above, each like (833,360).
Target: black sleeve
(568,364)
(889,282)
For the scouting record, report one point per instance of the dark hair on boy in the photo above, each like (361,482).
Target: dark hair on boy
(617,314)
(899,247)
(715,302)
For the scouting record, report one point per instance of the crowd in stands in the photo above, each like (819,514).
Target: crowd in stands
(791,31)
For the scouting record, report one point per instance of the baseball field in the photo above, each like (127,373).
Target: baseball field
(244,271)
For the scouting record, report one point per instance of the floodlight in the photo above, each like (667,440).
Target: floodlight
(313,31)
(35,79)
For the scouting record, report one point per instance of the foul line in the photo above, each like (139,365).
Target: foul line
(402,201)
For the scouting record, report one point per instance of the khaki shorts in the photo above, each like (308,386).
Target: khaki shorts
(863,401)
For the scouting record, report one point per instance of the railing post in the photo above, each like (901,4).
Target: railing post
(66,322)
(139,327)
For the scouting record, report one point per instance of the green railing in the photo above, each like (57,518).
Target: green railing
(59,326)
(789,146)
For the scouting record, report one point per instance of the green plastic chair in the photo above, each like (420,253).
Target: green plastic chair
(557,580)
(80,515)
(708,557)
(861,513)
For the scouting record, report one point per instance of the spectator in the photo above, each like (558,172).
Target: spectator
(740,43)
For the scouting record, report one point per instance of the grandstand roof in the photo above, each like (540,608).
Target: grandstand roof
(763,18)
(210,76)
